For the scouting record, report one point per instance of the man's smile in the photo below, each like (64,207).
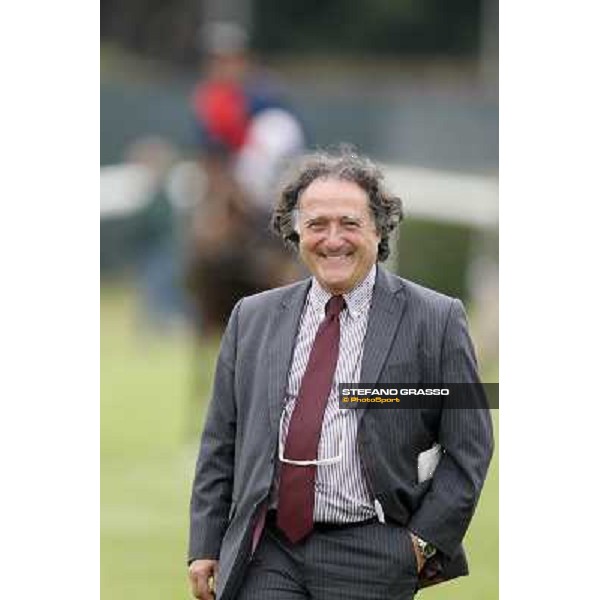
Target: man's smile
(337,257)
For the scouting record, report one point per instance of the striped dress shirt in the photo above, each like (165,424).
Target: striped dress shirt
(341,492)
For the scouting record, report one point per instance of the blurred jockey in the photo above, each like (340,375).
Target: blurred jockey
(246,134)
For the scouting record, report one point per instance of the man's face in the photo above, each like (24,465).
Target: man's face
(338,239)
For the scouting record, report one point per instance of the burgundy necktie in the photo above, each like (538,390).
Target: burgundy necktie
(297,483)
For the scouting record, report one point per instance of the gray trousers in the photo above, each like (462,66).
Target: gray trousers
(370,561)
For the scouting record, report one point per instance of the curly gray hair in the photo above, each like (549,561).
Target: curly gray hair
(346,164)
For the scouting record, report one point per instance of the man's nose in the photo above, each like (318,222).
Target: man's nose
(334,238)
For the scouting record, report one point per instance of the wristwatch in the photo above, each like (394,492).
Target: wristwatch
(427,550)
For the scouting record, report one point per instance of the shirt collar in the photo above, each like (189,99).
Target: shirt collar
(357,300)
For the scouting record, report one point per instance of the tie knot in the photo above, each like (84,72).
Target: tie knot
(335,305)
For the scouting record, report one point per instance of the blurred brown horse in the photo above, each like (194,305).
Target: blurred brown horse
(232,252)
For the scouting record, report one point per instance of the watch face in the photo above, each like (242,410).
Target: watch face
(428,551)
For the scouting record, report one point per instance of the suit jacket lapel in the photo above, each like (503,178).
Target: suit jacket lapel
(387,308)
(284,329)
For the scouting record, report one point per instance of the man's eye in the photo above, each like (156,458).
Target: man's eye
(315,226)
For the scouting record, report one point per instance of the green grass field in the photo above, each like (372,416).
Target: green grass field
(149,431)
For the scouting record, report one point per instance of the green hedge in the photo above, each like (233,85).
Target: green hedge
(436,255)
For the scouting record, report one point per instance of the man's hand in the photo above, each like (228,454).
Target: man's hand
(418,553)
(202,574)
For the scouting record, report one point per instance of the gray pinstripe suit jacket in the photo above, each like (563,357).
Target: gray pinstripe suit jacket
(414,335)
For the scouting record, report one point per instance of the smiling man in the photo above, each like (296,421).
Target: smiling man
(294,497)
(338,241)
